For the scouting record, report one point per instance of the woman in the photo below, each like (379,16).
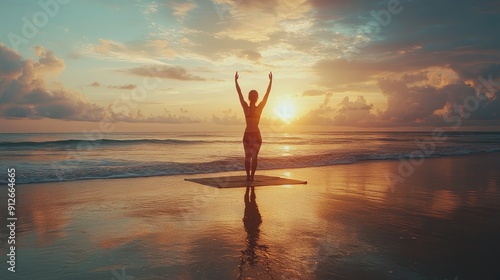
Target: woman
(252,138)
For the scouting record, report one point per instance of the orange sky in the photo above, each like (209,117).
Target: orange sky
(168,65)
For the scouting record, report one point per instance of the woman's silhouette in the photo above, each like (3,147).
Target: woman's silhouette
(252,139)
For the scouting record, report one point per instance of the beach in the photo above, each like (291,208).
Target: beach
(348,222)
(249,140)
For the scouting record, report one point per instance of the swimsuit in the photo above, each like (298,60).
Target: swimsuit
(252,137)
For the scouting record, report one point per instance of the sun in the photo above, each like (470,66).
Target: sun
(285,111)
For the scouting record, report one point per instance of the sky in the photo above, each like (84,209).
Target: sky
(72,65)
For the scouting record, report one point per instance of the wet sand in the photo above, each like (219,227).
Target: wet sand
(348,222)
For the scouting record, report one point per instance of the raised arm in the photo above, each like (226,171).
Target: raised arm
(264,100)
(242,100)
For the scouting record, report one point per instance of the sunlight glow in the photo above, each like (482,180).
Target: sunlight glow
(286,150)
(285,111)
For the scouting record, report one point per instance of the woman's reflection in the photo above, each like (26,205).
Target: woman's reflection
(252,220)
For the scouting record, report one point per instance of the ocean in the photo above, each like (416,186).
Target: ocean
(52,157)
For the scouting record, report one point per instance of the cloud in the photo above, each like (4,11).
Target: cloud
(145,50)
(24,93)
(223,31)
(314,92)
(428,103)
(356,112)
(47,61)
(150,8)
(251,55)
(358,105)
(125,87)
(240,20)
(250,29)
(139,117)
(467,102)
(342,75)
(333,73)
(166,72)
(421,36)
(422,91)
(321,115)
(410,104)
(228,118)
(492,71)
(206,46)
(346,113)
(282,9)
(10,62)
(181,9)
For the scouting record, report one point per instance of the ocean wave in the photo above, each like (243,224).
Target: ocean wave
(76,142)
(107,169)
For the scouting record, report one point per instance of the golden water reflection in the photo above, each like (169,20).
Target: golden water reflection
(345,223)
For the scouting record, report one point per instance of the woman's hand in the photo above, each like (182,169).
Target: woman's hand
(236,76)
(270,75)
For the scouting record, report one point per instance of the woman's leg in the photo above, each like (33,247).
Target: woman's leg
(248,157)
(255,153)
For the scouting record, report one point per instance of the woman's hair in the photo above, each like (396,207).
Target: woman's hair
(253,95)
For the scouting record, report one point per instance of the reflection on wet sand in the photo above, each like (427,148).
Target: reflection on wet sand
(45,219)
(440,223)
(252,220)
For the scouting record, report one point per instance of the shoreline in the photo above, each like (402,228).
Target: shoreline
(241,171)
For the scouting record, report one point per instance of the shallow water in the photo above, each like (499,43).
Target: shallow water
(346,223)
(54,157)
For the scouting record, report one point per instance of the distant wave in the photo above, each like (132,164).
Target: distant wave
(142,155)
(84,170)
(114,142)
(75,142)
